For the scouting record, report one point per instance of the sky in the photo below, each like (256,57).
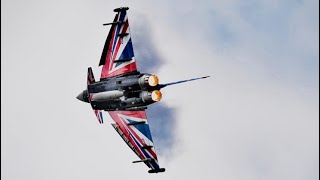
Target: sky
(256,117)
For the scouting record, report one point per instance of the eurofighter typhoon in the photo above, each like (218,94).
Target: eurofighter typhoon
(124,92)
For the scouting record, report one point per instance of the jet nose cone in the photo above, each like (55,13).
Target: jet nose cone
(80,97)
(83,96)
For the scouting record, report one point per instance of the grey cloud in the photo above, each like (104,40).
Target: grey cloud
(145,49)
(163,124)
(161,118)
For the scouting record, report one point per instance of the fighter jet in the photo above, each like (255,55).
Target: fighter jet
(124,92)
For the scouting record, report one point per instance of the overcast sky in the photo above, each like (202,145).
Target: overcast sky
(256,117)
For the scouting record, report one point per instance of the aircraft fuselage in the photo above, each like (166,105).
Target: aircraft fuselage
(132,91)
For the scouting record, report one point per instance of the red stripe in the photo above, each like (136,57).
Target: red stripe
(114,38)
(110,52)
(126,133)
(141,142)
(135,144)
(137,114)
(118,44)
(109,62)
(128,68)
(106,67)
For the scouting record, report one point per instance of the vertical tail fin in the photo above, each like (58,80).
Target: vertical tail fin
(90,78)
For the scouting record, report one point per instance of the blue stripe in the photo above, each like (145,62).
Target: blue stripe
(127,52)
(154,164)
(115,35)
(122,15)
(101,117)
(144,129)
(118,27)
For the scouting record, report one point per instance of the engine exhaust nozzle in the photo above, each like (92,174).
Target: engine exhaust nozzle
(156,95)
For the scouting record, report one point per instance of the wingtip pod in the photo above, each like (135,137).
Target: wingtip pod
(157,170)
(117,10)
(121,9)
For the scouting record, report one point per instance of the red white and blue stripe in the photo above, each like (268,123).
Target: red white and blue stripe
(118,47)
(98,113)
(139,134)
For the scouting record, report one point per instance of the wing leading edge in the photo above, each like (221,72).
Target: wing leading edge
(133,127)
(117,57)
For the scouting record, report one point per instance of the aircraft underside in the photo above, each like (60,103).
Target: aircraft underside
(124,92)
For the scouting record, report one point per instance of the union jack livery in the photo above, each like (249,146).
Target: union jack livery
(124,92)
(133,127)
(117,56)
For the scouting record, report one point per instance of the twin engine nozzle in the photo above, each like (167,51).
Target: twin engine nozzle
(146,91)
(148,80)
(145,82)
(151,81)
(154,96)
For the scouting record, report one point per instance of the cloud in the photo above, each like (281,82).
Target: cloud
(259,109)
(148,58)
(160,116)
(255,118)
(163,123)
